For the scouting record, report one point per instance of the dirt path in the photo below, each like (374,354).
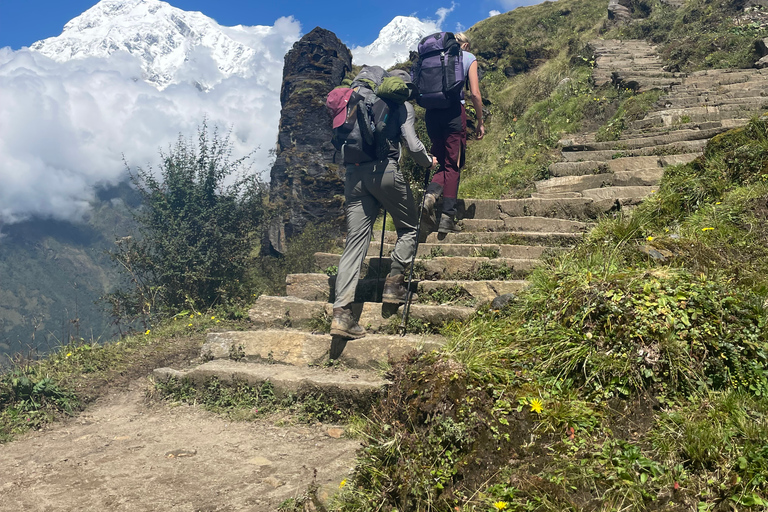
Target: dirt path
(125,454)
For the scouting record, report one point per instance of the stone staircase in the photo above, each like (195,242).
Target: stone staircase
(502,240)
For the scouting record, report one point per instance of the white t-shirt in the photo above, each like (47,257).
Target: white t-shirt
(468,59)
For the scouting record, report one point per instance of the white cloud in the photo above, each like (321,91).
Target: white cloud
(443,13)
(64,127)
(494,13)
(459,27)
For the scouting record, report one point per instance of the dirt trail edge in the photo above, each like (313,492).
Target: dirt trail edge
(127,454)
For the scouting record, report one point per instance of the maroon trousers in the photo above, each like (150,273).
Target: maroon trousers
(448,132)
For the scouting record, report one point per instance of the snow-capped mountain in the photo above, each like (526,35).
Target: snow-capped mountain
(165,39)
(395,41)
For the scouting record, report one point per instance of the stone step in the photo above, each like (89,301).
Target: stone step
(723,83)
(642,142)
(559,195)
(753,103)
(553,239)
(321,287)
(746,92)
(641,177)
(530,223)
(360,386)
(574,183)
(624,164)
(631,195)
(482,291)
(576,208)
(467,250)
(727,124)
(673,118)
(456,267)
(302,349)
(671,149)
(295,313)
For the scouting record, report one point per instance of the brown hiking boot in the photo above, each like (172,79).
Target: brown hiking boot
(395,291)
(344,325)
(448,225)
(428,218)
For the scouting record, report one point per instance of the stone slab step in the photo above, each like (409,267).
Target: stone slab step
(358,385)
(444,267)
(552,239)
(320,287)
(634,163)
(641,177)
(642,142)
(682,147)
(467,250)
(575,208)
(665,129)
(634,194)
(541,224)
(573,183)
(559,195)
(726,124)
(291,312)
(483,291)
(673,118)
(754,103)
(299,348)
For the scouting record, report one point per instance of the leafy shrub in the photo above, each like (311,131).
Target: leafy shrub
(198,225)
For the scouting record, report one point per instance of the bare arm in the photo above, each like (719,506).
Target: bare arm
(411,141)
(477,100)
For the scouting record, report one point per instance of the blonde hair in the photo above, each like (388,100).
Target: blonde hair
(462,39)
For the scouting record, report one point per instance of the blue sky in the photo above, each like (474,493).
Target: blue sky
(22,22)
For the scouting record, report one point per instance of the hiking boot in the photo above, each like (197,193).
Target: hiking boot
(428,218)
(448,225)
(344,325)
(395,291)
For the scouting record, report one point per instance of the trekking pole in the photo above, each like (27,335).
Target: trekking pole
(407,306)
(379,289)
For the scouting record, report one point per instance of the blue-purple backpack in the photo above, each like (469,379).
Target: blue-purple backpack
(439,72)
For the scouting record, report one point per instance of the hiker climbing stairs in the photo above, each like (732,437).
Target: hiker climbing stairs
(501,241)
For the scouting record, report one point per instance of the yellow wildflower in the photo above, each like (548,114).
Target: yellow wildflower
(500,505)
(718,202)
(343,483)
(213,318)
(189,325)
(69,354)
(650,239)
(707,229)
(536,406)
(146,333)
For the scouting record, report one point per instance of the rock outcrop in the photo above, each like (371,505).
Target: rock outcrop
(306,187)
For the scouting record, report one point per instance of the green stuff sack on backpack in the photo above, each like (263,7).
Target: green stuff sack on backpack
(393,88)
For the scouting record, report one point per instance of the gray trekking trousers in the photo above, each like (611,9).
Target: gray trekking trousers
(368,187)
